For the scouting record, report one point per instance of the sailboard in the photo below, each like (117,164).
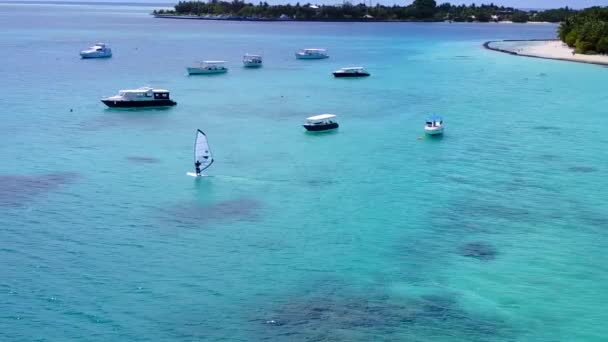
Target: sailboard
(202,153)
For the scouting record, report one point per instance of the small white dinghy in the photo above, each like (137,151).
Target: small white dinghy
(99,50)
(202,154)
(434,125)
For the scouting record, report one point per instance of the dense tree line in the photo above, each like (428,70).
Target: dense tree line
(422,10)
(586,31)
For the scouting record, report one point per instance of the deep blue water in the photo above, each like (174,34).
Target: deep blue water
(495,232)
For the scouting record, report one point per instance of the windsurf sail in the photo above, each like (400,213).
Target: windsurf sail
(202,153)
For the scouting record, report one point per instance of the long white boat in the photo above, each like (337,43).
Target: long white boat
(252,61)
(99,50)
(141,97)
(351,72)
(312,54)
(208,67)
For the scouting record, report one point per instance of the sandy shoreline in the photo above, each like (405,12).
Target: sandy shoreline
(549,49)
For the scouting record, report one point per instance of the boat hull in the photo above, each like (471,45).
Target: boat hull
(252,65)
(349,75)
(319,128)
(434,131)
(95,55)
(138,104)
(298,56)
(199,71)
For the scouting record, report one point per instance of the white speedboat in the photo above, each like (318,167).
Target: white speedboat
(141,97)
(351,72)
(434,125)
(252,61)
(322,122)
(208,67)
(99,50)
(312,54)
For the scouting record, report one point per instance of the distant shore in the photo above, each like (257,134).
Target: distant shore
(348,20)
(237,18)
(546,49)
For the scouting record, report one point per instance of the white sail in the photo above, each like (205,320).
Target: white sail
(202,153)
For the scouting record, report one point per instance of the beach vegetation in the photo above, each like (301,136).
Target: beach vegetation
(553,15)
(520,17)
(586,31)
(419,10)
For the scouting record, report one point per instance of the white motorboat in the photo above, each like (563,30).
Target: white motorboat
(322,122)
(252,61)
(99,50)
(351,72)
(141,97)
(208,67)
(312,54)
(434,125)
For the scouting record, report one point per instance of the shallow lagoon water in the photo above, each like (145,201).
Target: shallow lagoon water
(495,232)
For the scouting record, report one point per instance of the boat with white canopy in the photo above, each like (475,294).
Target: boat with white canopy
(140,97)
(252,61)
(208,67)
(312,54)
(434,125)
(322,122)
(99,50)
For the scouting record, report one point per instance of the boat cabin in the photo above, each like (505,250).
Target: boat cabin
(252,58)
(312,53)
(213,65)
(434,125)
(434,121)
(144,93)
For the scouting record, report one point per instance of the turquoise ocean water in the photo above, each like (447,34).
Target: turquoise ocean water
(495,232)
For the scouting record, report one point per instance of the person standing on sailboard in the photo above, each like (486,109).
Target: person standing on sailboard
(202,154)
(198,168)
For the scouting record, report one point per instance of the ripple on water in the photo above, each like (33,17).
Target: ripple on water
(582,169)
(324,315)
(194,213)
(478,250)
(16,190)
(546,128)
(142,160)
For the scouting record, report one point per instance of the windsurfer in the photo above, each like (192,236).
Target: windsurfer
(198,167)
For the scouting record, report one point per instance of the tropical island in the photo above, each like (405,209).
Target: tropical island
(419,10)
(583,37)
(583,34)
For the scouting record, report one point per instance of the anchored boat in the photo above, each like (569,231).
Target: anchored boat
(434,125)
(141,97)
(99,50)
(208,67)
(351,72)
(311,54)
(323,122)
(252,61)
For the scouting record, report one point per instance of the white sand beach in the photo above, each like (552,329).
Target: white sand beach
(551,49)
